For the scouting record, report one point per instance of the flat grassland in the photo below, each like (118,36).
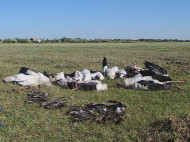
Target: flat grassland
(30,122)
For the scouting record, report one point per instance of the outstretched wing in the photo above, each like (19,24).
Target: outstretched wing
(155,68)
(154,86)
(161,78)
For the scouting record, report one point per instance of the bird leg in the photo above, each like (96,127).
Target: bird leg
(175,82)
(76,86)
(74,89)
(179,88)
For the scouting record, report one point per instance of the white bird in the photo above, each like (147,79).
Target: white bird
(153,77)
(55,77)
(97,76)
(82,85)
(82,80)
(27,77)
(86,75)
(112,72)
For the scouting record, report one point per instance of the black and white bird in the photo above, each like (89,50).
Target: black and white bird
(83,75)
(27,77)
(79,80)
(153,77)
(112,72)
(55,77)
(82,85)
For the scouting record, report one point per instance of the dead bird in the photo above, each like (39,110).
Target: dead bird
(111,116)
(27,77)
(53,104)
(37,96)
(79,113)
(99,113)
(116,107)
(111,112)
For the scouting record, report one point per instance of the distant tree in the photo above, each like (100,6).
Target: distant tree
(68,40)
(54,41)
(22,40)
(165,40)
(9,41)
(142,39)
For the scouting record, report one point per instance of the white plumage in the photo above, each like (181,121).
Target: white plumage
(56,77)
(30,78)
(153,77)
(82,85)
(112,72)
(97,75)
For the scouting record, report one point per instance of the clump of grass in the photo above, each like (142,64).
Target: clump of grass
(170,129)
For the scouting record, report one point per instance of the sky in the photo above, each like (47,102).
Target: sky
(90,19)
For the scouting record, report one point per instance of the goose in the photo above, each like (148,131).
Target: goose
(27,77)
(112,72)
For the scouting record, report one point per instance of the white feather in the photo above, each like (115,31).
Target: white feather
(33,79)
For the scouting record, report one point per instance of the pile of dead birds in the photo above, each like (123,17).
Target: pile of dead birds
(99,113)
(42,97)
(78,80)
(173,129)
(152,77)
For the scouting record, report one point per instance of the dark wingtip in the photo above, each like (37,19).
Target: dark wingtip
(145,62)
(45,73)
(23,70)
(113,101)
(104,63)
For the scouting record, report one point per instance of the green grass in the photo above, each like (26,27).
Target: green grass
(30,122)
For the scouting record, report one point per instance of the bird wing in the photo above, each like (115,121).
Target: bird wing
(161,78)
(151,85)
(155,68)
(104,62)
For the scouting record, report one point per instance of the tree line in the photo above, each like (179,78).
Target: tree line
(83,40)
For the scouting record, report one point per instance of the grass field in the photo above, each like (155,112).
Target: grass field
(30,122)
